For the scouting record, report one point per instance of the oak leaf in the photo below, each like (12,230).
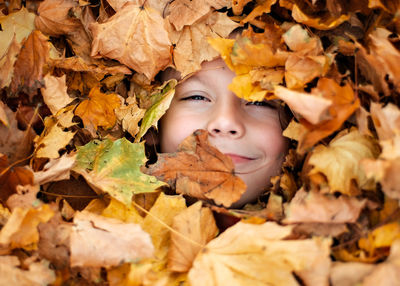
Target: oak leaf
(197,227)
(199,170)
(136,37)
(340,161)
(98,109)
(114,168)
(239,256)
(28,69)
(55,93)
(97,241)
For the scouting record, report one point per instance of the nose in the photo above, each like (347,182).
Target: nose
(226,121)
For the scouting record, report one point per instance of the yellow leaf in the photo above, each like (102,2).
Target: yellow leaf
(164,209)
(243,87)
(118,210)
(197,227)
(340,161)
(98,109)
(247,254)
(20,231)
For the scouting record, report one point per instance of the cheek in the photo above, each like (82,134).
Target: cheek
(174,128)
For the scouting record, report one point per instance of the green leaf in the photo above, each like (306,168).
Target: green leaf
(113,167)
(157,109)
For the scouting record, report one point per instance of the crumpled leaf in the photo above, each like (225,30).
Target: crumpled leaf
(161,103)
(20,23)
(37,274)
(191,46)
(98,109)
(197,227)
(314,207)
(55,93)
(340,161)
(166,208)
(97,241)
(20,231)
(136,37)
(55,170)
(7,63)
(187,12)
(28,69)
(199,170)
(247,254)
(130,115)
(10,178)
(114,168)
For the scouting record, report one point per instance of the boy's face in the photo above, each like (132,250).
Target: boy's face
(250,133)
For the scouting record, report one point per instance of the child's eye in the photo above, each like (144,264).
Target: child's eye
(263,103)
(196,97)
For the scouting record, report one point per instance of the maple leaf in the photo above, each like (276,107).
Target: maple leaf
(191,46)
(165,208)
(20,23)
(54,17)
(197,227)
(340,161)
(136,37)
(199,170)
(28,68)
(316,207)
(97,241)
(20,231)
(55,93)
(38,273)
(239,256)
(114,168)
(98,109)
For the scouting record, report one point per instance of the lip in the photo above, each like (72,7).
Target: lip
(237,159)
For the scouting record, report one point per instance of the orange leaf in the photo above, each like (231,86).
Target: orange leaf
(28,69)
(199,170)
(98,110)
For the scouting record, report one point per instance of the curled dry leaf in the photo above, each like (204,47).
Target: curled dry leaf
(247,254)
(199,170)
(130,115)
(197,227)
(55,93)
(20,231)
(37,274)
(340,162)
(97,241)
(28,69)
(54,17)
(98,109)
(315,207)
(55,170)
(7,63)
(136,37)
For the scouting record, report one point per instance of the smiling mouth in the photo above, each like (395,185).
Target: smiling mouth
(238,159)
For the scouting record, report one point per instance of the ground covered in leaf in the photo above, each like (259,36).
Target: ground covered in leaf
(79,90)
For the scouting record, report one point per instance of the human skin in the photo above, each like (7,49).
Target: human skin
(250,133)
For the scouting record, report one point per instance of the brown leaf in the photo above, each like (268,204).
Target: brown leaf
(28,69)
(55,93)
(315,207)
(7,63)
(54,17)
(136,37)
(97,241)
(130,115)
(25,197)
(98,109)
(187,12)
(10,178)
(197,227)
(199,170)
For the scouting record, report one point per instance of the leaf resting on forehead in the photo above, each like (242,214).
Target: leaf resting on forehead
(199,170)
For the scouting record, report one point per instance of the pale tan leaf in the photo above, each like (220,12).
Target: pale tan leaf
(55,170)
(55,93)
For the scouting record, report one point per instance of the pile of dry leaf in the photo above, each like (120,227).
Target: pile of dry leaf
(79,90)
